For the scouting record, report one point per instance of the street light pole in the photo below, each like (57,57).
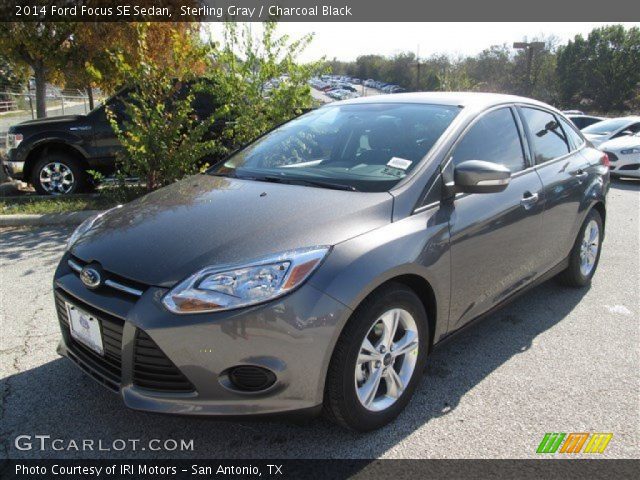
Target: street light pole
(528,46)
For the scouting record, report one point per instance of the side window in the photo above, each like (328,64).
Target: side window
(549,140)
(575,140)
(631,129)
(493,138)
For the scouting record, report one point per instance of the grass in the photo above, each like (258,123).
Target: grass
(53,205)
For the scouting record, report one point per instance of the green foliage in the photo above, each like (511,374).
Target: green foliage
(163,138)
(42,47)
(603,69)
(260,80)
(12,76)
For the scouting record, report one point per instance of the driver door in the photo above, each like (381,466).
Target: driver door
(495,237)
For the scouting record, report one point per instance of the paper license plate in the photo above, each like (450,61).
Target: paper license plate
(85,328)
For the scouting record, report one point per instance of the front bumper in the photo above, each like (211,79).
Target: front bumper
(292,336)
(13,169)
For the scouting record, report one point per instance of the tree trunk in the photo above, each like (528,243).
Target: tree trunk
(90,96)
(41,89)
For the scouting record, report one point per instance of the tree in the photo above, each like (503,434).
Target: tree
(41,46)
(260,80)
(605,67)
(492,69)
(11,78)
(162,136)
(90,63)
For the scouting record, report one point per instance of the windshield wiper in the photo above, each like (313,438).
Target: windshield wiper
(222,174)
(304,181)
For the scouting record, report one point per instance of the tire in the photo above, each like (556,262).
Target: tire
(585,254)
(65,173)
(347,377)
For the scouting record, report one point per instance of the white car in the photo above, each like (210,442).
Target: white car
(600,132)
(624,155)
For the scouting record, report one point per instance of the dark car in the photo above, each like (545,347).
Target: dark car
(316,268)
(581,120)
(55,154)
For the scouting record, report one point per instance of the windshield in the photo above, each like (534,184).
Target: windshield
(365,147)
(606,127)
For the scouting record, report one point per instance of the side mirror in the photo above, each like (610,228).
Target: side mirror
(478,176)
(625,133)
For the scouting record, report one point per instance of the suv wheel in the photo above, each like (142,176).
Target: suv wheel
(58,174)
(584,257)
(378,361)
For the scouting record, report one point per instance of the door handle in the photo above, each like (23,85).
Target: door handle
(529,200)
(580,173)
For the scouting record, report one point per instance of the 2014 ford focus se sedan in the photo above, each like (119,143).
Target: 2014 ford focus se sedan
(316,268)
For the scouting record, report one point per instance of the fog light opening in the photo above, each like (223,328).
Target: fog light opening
(250,378)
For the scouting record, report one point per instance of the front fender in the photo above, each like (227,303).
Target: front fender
(43,139)
(416,245)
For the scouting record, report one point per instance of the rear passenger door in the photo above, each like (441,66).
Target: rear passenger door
(495,237)
(565,175)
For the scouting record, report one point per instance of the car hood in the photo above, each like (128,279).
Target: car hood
(621,142)
(50,120)
(204,220)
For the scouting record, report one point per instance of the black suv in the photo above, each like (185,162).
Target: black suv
(54,154)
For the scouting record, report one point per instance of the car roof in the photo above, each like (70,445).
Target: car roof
(461,99)
(585,116)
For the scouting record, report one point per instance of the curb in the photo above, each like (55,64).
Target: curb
(69,218)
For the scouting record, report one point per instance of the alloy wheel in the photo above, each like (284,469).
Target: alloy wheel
(386,360)
(57,178)
(589,248)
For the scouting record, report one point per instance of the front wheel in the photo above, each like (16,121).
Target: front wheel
(378,361)
(58,174)
(585,254)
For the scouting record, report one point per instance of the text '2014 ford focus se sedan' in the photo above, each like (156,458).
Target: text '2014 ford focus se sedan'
(316,268)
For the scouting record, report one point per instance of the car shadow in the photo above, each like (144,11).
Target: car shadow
(57,399)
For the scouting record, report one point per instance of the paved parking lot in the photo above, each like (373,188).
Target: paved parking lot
(556,360)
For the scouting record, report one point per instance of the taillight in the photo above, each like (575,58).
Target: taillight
(604,160)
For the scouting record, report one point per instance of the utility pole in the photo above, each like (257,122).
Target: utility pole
(529,47)
(418,65)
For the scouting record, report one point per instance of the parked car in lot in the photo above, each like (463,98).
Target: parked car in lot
(582,121)
(54,154)
(624,155)
(317,267)
(605,130)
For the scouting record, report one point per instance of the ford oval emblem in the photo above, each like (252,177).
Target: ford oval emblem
(90,277)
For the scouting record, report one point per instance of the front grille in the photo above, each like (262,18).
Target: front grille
(106,369)
(632,166)
(112,280)
(152,369)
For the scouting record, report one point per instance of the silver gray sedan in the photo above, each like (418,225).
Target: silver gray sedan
(315,269)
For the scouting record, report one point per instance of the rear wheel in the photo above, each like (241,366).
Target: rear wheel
(378,361)
(59,174)
(585,255)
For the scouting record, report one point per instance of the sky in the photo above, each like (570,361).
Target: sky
(346,41)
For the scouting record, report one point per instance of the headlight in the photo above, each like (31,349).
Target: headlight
(629,151)
(85,226)
(215,289)
(13,140)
